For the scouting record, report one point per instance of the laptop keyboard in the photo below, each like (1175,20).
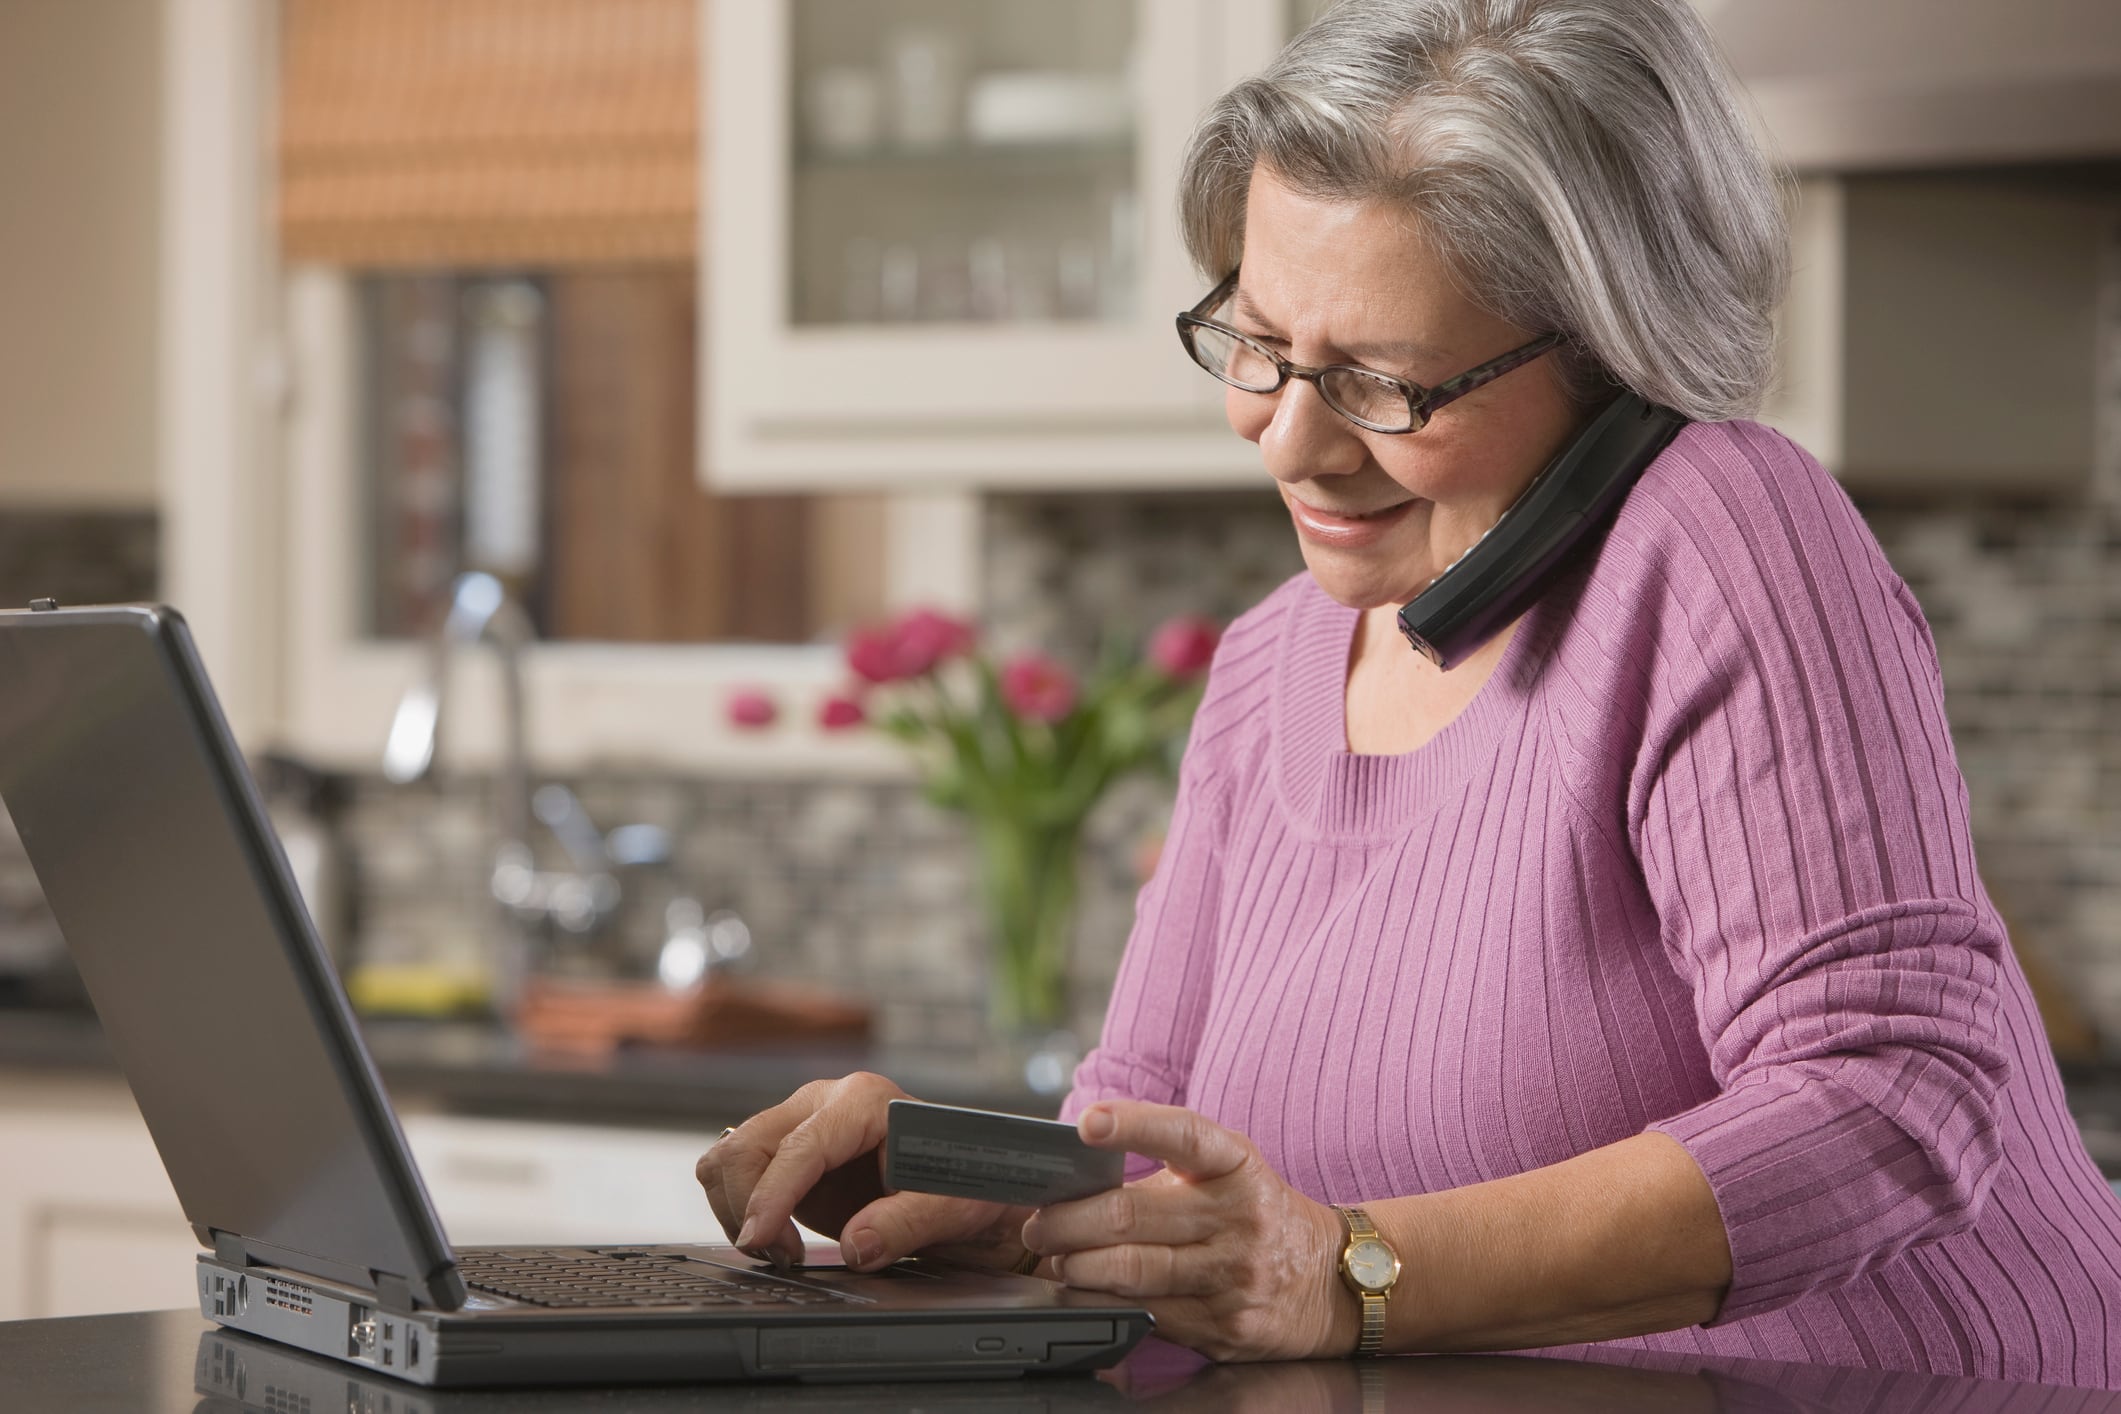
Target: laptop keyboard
(572,1276)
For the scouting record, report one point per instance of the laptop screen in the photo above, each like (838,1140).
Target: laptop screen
(177,905)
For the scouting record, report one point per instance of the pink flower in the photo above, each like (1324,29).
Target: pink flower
(1183,647)
(841,711)
(1037,688)
(752,709)
(927,639)
(909,647)
(873,653)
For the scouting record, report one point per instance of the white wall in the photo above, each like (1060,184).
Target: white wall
(80,154)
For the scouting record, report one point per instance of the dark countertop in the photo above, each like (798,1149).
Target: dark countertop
(169,1361)
(474,1069)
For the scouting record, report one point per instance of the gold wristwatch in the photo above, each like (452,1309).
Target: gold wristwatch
(1371,1269)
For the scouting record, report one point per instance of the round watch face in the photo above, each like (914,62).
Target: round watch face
(1371,1264)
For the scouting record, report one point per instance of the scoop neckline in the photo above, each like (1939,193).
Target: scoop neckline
(1332,790)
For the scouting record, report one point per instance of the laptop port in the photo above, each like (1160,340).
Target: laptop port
(360,1333)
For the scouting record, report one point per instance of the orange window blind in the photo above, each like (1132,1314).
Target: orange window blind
(481,133)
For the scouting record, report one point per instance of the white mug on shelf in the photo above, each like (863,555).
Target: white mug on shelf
(843,108)
(927,69)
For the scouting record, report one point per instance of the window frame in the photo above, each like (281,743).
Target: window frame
(591,704)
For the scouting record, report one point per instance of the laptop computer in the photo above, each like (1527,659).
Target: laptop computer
(155,854)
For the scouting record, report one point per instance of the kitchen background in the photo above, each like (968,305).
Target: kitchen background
(314,305)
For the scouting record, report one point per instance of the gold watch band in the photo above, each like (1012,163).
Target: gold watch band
(1372,1339)
(1373,1324)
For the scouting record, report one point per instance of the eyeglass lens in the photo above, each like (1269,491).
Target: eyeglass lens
(1367,398)
(1234,360)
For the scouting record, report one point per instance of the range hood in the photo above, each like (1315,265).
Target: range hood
(1868,85)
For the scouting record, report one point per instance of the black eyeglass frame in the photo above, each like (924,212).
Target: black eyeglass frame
(1422,403)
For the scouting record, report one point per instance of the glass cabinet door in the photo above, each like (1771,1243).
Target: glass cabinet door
(941,242)
(963,161)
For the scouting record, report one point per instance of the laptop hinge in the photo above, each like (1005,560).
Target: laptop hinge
(229,1250)
(393,1293)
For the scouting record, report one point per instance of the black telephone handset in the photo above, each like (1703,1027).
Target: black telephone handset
(1496,580)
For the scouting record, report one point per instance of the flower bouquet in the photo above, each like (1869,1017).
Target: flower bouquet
(1023,749)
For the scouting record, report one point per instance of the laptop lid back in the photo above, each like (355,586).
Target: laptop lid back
(178,907)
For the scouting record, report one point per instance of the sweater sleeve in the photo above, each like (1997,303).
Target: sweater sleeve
(1166,976)
(1159,999)
(1801,826)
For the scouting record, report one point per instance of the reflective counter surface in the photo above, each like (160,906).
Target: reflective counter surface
(171,1361)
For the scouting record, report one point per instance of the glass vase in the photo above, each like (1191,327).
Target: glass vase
(1029,870)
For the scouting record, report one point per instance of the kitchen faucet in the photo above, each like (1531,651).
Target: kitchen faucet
(581,900)
(480,611)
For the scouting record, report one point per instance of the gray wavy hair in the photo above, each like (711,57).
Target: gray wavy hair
(1583,165)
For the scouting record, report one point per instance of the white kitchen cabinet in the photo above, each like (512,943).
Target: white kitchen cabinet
(940,245)
(513,1181)
(89,1224)
(1941,330)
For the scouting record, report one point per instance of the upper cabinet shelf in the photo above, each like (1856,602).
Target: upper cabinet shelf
(940,245)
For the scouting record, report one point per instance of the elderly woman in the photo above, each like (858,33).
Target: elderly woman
(1628,982)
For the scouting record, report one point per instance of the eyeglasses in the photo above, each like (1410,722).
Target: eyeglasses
(1376,401)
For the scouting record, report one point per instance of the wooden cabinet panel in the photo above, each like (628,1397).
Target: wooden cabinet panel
(641,551)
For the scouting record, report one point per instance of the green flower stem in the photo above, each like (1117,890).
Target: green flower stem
(994,711)
(1028,872)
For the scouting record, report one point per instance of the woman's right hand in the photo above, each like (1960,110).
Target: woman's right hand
(818,1157)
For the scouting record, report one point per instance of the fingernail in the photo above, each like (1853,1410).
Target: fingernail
(748,1234)
(1098,1124)
(867,1247)
(1056,1266)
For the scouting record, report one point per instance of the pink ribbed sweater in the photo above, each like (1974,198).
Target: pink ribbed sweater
(1696,859)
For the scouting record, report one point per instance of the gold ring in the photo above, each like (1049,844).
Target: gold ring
(1026,1264)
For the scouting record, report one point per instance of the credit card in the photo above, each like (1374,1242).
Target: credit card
(998,1158)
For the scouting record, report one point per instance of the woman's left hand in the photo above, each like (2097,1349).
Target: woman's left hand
(1230,1259)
